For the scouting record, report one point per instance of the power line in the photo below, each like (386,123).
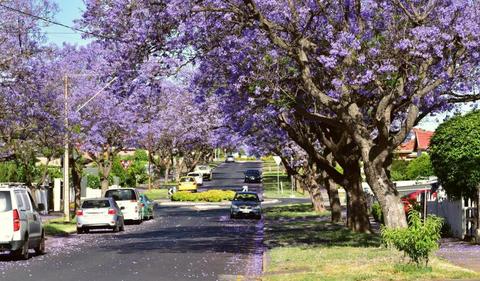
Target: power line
(58,23)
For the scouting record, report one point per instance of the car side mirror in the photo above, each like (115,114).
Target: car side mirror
(41,207)
(122,208)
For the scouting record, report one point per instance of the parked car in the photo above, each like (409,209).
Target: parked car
(21,226)
(246,204)
(198,177)
(100,213)
(129,200)
(187,184)
(230,159)
(253,176)
(205,170)
(148,207)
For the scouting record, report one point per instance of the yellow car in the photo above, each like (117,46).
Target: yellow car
(187,184)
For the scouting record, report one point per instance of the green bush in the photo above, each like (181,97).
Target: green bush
(420,167)
(377,212)
(418,240)
(398,171)
(206,196)
(93,181)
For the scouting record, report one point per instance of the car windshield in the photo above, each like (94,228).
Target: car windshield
(202,168)
(95,204)
(187,180)
(5,202)
(194,175)
(252,172)
(246,197)
(121,194)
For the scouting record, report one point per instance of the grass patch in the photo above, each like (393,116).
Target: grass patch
(294,211)
(270,186)
(60,227)
(304,245)
(155,194)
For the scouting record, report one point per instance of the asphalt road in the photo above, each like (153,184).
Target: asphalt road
(230,176)
(181,243)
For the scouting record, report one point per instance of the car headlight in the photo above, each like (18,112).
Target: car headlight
(257,208)
(234,207)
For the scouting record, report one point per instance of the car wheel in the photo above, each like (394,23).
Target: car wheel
(232,216)
(40,249)
(79,231)
(116,228)
(86,230)
(22,253)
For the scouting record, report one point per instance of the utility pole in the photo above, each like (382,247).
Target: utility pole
(66,177)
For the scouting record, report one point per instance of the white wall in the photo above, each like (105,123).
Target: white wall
(453,212)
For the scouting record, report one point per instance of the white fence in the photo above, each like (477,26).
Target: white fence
(453,212)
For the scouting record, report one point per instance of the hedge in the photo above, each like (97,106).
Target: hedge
(206,196)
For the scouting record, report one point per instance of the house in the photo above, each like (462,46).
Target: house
(417,142)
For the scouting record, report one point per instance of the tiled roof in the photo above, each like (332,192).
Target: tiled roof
(407,146)
(423,138)
(419,140)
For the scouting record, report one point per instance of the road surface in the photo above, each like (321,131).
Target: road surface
(181,243)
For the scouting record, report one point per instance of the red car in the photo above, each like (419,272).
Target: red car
(410,200)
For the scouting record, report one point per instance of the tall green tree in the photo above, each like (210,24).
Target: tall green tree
(455,155)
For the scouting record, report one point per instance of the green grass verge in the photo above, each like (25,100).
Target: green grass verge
(155,194)
(306,246)
(206,196)
(270,186)
(60,227)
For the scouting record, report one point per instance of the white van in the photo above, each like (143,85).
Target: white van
(128,199)
(22,227)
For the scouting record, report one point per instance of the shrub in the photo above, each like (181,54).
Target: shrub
(420,167)
(399,170)
(377,212)
(206,196)
(418,240)
(93,181)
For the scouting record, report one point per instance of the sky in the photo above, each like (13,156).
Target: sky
(68,11)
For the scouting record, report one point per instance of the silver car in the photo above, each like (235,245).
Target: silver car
(102,213)
(246,204)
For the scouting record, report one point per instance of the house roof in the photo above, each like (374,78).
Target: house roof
(419,140)
(423,138)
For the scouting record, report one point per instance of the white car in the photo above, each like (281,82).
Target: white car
(230,159)
(205,170)
(21,226)
(198,177)
(99,213)
(129,201)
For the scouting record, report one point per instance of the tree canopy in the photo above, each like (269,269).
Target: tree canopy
(455,154)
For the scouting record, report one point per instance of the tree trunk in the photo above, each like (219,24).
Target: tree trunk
(333,198)
(357,212)
(317,199)
(76,180)
(387,195)
(104,185)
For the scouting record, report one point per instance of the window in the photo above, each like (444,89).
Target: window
(246,197)
(121,194)
(34,205)
(26,201)
(5,202)
(187,180)
(20,204)
(95,204)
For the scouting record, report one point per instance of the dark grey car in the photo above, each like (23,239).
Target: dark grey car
(246,204)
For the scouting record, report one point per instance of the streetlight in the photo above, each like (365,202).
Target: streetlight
(66,156)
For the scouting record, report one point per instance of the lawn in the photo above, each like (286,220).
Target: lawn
(304,245)
(270,186)
(59,227)
(155,194)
